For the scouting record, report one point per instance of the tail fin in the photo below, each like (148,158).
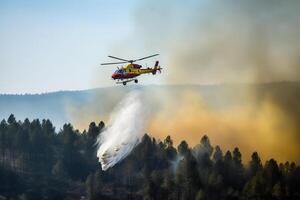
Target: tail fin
(156,68)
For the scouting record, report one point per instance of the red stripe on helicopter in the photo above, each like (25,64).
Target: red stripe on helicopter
(124,76)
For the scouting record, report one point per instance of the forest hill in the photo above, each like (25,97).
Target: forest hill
(39,163)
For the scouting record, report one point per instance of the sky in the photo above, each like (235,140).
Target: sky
(58,45)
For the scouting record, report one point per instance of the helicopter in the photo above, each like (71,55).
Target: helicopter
(129,72)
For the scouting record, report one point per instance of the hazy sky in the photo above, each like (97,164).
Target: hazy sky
(58,45)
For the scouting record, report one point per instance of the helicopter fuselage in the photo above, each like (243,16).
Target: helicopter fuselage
(128,72)
(133,70)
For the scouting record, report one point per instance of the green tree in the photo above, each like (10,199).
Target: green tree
(271,173)
(183,148)
(254,165)
(255,188)
(11,119)
(238,172)
(93,130)
(187,175)
(218,154)
(169,149)
(3,139)
(58,169)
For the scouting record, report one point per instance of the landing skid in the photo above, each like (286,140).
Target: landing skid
(125,82)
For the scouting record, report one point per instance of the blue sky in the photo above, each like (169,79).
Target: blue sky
(58,45)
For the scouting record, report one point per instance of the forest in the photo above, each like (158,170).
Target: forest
(38,162)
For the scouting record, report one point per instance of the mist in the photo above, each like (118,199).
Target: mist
(123,132)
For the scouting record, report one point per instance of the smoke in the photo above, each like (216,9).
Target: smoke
(214,41)
(266,120)
(261,125)
(175,162)
(124,130)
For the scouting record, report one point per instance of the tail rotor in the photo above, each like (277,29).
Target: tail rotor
(156,68)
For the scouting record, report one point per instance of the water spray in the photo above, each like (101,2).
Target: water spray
(124,131)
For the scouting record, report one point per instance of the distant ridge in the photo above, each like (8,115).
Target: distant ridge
(54,105)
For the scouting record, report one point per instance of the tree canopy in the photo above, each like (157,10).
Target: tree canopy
(38,162)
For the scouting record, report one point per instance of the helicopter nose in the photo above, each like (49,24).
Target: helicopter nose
(114,75)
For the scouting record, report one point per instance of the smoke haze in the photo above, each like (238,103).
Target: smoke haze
(211,42)
(267,122)
(215,42)
(262,125)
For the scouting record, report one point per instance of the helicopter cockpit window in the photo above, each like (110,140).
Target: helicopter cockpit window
(120,71)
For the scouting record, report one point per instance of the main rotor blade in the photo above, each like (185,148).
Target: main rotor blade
(113,63)
(145,57)
(119,58)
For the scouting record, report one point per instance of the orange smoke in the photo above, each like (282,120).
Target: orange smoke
(264,128)
(262,118)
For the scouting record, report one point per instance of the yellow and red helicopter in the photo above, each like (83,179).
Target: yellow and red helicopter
(129,72)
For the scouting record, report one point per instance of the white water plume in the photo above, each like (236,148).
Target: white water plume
(124,131)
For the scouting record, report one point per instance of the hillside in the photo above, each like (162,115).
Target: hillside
(60,106)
